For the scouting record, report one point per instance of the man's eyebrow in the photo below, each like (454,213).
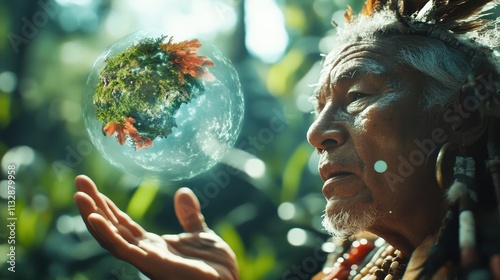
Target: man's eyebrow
(368,69)
(350,74)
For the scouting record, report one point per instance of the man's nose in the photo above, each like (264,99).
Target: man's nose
(325,134)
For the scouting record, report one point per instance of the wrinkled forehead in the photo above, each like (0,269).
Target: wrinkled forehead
(358,58)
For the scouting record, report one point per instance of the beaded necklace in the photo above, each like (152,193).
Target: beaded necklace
(366,260)
(387,264)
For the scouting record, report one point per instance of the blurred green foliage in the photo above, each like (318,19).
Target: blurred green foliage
(43,74)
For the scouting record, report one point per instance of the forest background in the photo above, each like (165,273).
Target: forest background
(270,213)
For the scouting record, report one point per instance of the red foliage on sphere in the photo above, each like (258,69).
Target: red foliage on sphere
(127,128)
(185,57)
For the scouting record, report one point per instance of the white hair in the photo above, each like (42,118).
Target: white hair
(345,223)
(445,67)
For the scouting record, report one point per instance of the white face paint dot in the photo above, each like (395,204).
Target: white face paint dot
(380,166)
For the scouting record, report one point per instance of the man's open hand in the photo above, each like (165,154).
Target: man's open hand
(198,253)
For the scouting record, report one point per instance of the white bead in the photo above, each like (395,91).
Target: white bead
(394,265)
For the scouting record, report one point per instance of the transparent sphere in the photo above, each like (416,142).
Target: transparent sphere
(161,107)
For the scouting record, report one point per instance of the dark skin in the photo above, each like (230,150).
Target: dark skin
(367,111)
(367,114)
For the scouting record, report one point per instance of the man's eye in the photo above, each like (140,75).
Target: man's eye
(358,102)
(357,96)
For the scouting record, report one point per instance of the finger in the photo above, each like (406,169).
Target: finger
(108,237)
(125,220)
(86,206)
(188,211)
(86,185)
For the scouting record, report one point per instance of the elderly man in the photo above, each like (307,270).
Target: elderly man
(407,130)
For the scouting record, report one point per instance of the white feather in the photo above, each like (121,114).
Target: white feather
(425,11)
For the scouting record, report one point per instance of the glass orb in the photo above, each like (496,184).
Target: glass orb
(154,106)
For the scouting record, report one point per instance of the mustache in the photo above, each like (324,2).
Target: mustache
(350,161)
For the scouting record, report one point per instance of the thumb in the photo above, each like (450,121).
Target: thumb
(188,211)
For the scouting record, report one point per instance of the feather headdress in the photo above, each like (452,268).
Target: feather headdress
(458,16)
(445,20)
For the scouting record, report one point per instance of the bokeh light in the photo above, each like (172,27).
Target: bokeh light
(297,236)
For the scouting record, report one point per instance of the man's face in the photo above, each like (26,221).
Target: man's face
(369,132)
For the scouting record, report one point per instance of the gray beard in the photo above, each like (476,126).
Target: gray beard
(346,223)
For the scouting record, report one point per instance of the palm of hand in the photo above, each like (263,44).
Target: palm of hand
(197,253)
